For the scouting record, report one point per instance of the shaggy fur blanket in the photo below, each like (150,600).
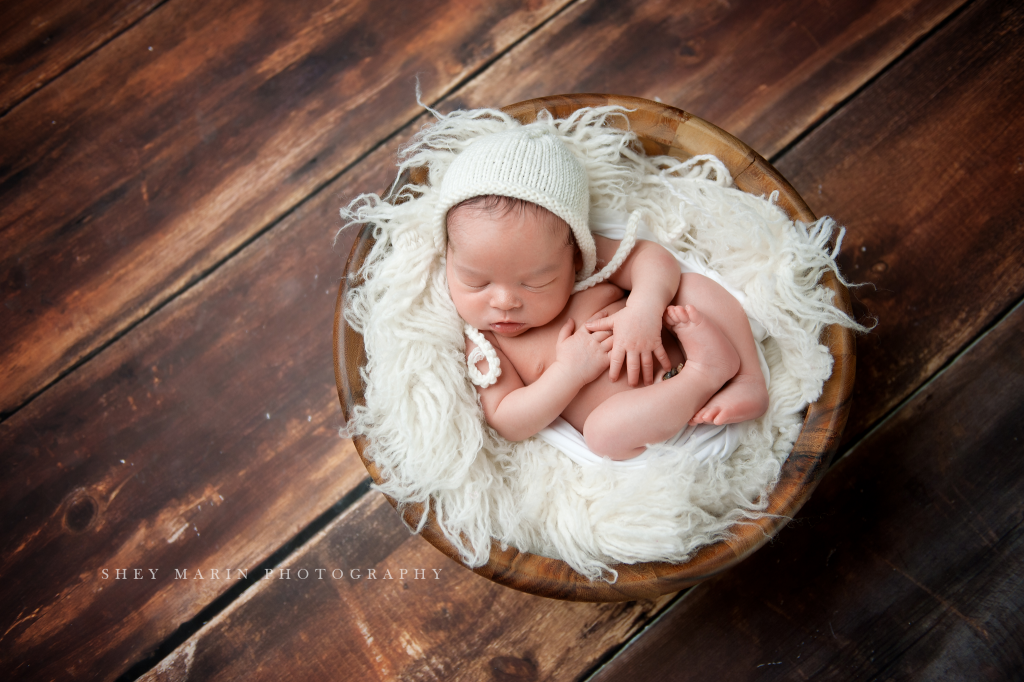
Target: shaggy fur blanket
(422,418)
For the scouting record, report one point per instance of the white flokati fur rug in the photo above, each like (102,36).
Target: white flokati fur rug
(424,423)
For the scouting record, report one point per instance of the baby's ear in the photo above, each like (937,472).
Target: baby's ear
(577,258)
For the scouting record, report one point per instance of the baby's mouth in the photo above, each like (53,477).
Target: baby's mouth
(507,327)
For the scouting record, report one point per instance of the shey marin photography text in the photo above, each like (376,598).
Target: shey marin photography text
(377,573)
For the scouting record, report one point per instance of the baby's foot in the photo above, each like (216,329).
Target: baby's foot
(743,398)
(708,352)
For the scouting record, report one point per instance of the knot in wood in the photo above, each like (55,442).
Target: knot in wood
(80,514)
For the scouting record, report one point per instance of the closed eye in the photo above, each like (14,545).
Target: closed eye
(537,287)
(471,282)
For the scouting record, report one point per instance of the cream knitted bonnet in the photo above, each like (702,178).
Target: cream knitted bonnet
(528,163)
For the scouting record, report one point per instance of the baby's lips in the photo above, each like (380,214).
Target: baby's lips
(507,327)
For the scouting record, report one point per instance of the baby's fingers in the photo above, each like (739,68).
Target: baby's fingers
(600,322)
(566,330)
(662,356)
(633,368)
(615,363)
(647,367)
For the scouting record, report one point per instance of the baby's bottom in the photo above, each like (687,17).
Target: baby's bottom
(720,383)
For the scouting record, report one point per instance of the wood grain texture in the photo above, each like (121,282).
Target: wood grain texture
(926,168)
(662,129)
(448,625)
(905,562)
(39,41)
(80,421)
(142,169)
(206,438)
(78,428)
(905,565)
(763,71)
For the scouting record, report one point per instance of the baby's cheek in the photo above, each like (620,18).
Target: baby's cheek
(457,301)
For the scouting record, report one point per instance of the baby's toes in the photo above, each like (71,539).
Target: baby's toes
(701,417)
(711,414)
(675,315)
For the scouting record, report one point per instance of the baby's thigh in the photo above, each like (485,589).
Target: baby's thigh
(623,424)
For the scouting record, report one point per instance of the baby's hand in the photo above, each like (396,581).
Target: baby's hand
(582,352)
(637,342)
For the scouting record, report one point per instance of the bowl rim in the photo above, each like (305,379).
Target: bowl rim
(664,130)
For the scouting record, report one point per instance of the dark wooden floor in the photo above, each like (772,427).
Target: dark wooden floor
(176,499)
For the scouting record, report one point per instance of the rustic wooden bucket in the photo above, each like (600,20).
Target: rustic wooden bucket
(662,130)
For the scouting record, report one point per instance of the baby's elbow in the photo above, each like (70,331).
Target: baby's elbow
(663,259)
(511,433)
(653,258)
(509,430)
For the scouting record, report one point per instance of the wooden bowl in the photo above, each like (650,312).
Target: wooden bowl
(662,130)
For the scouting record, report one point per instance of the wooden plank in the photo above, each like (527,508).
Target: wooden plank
(112,219)
(78,419)
(906,564)
(208,437)
(921,168)
(39,41)
(765,72)
(234,660)
(913,570)
(449,625)
(143,168)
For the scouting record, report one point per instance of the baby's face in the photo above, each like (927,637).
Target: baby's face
(508,273)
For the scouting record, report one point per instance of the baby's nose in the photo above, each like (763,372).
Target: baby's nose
(505,299)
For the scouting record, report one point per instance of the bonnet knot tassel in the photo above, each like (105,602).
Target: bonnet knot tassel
(483,351)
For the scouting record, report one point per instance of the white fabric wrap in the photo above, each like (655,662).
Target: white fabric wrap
(706,441)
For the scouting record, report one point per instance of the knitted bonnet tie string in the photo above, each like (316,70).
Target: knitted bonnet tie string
(625,246)
(483,351)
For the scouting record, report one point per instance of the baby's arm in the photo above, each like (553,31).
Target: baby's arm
(651,275)
(517,411)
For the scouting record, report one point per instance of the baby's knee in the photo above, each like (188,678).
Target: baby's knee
(596,438)
(605,440)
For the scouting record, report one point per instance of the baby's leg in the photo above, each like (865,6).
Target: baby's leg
(625,423)
(745,396)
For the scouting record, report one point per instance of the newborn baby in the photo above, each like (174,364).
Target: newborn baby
(520,263)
